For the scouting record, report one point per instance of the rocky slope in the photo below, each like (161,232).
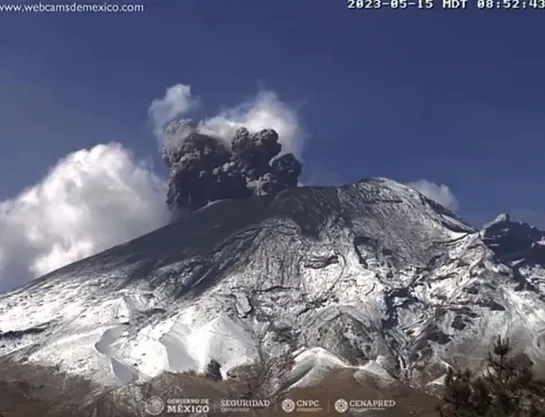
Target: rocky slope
(369,276)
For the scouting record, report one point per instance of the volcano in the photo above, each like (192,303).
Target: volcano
(367,278)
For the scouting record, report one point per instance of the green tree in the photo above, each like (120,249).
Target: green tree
(507,388)
(213,370)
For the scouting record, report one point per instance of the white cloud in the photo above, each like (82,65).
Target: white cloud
(97,198)
(440,193)
(265,111)
(91,200)
(178,100)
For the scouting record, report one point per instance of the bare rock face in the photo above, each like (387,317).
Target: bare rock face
(370,276)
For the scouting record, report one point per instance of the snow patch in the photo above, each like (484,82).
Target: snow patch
(312,365)
(374,367)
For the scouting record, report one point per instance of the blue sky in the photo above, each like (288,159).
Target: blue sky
(456,97)
(453,97)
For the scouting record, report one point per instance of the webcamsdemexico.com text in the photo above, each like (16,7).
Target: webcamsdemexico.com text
(71,8)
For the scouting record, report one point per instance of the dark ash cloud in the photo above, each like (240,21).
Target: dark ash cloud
(205,168)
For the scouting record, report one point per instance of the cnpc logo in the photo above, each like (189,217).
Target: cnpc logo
(288,405)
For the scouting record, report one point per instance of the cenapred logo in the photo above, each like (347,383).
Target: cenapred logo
(342,405)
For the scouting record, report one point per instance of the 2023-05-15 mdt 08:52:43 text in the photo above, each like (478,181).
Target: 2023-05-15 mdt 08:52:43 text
(445,4)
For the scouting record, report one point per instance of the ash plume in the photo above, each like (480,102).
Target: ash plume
(205,168)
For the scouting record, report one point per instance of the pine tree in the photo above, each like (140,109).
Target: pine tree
(506,389)
(213,370)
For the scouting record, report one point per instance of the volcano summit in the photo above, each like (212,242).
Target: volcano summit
(368,277)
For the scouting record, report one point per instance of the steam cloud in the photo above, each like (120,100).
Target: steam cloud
(91,200)
(440,193)
(96,198)
(236,154)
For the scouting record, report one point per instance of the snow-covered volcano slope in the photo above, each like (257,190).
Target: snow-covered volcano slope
(373,273)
